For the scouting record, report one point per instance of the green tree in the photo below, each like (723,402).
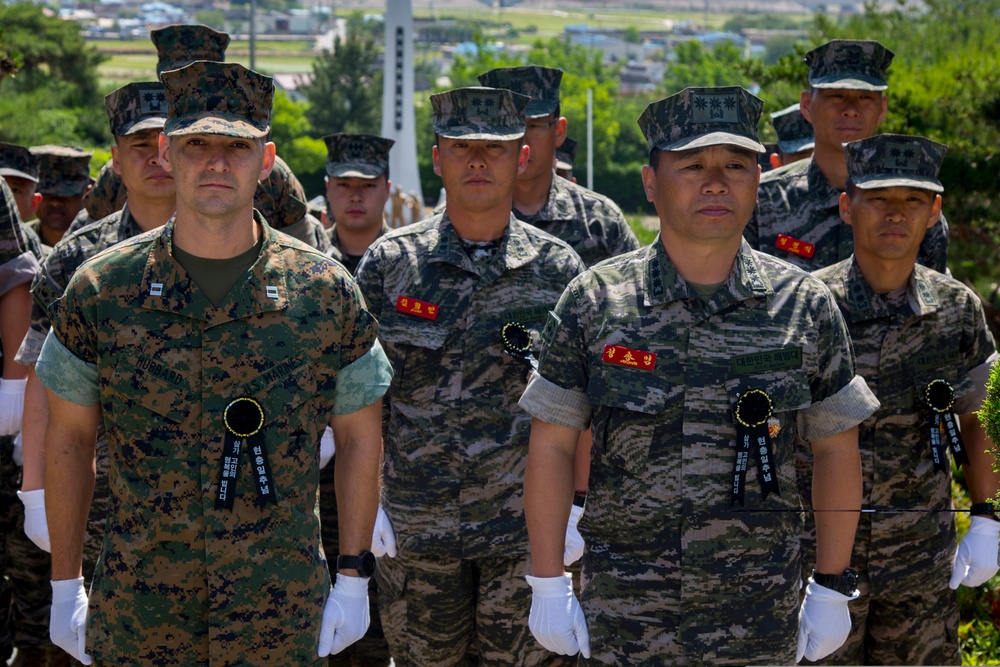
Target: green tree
(694,65)
(55,97)
(305,155)
(345,94)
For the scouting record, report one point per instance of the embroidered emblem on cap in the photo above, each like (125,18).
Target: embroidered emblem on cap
(410,306)
(795,246)
(715,108)
(901,155)
(153,101)
(624,356)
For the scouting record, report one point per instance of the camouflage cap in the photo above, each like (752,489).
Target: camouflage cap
(18,161)
(178,46)
(357,155)
(566,154)
(479,114)
(700,117)
(889,160)
(63,171)
(280,197)
(108,194)
(218,98)
(541,84)
(851,64)
(136,107)
(795,133)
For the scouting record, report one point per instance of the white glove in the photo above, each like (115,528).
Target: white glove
(326,447)
(68,618)
(11,405)
(35,526)
(383,539)
(976,560)
(345,616)
(824,622)
(556,619)
(17,454)
(573,549)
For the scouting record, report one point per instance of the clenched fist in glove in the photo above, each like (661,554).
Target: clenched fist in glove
(556,619)
(345,616)
(824,622)
(68,618)
(976,560)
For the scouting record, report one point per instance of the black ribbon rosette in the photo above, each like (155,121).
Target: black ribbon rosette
(243,420)
(517,343)
(940,397)
(752,411)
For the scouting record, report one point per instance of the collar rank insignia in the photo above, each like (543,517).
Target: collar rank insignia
(410,306)
(623,356)
(795,246)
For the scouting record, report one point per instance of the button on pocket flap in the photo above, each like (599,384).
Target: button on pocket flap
(402,329)
(787,390)
(626,388)
(155,386)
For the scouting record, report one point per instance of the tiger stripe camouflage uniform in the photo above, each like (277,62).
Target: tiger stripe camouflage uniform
(676,571)
(165,370)
(798,202)
(904,560)
(455,438)
(590,222)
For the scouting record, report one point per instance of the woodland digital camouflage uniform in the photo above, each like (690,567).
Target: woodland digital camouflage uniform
(904,559)
(208,586)
(180,45)
(456,441)
(674,572)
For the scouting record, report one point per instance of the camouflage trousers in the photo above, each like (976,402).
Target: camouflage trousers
(916,623)
(372,649)
(634,616)
(27,568)
(433,606)
(97,520)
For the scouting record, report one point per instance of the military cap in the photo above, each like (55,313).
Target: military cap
(795,133)
(700,117)
(851,64)
(280,197)
(108,194)
(18,161)
(63,171)
(357,155)
(178,46)
(136,107)
(566,154)
(889,160)
(218,98)
(541,84)
(479,114)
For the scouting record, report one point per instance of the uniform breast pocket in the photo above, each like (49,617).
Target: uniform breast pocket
(415,348)
(292,425)
(629,411)
(149,412)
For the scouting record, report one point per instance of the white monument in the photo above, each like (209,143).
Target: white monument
(397,96)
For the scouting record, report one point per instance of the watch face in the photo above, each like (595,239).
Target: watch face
(366,564)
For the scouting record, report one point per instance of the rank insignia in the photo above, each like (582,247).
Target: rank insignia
(410,306)
(795,246)
(623,356)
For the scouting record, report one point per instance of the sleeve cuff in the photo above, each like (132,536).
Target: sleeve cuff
(31,347)
(552,404)
(67,375)
(979,375)
(850,406)
(363,381)
(20,270)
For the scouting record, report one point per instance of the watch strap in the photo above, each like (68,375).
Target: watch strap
(845,583)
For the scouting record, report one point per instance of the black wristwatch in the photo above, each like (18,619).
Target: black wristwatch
(364,563)
(845,583)
(984,509)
